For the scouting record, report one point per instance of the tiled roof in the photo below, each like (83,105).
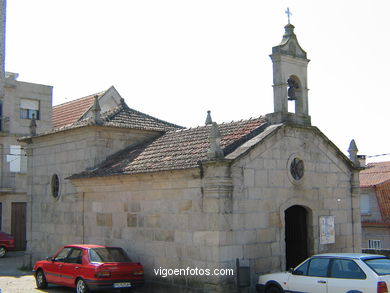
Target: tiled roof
(383,197)
(69,112)
(180,149)
(374,174)
(121,117)
(125,117)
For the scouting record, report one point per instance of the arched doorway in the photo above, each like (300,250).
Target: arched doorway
(296,235)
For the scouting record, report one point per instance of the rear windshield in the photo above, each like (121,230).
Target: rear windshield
(108,254)
(381,266)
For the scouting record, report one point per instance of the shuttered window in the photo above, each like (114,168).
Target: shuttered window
(29,109)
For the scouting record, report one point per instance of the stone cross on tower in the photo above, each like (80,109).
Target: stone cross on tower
(288,12)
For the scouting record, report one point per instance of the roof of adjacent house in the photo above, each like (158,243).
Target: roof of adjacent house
(120,117)
(374,174)
(178,149)
(70,112)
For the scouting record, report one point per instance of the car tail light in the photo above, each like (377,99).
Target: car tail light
(103,274)
(138,273)
(382,287)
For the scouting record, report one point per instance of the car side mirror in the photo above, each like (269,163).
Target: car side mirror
(291,270)
(50,258)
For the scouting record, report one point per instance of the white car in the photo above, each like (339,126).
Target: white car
(332,273)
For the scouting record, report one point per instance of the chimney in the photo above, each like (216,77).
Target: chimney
(362,160)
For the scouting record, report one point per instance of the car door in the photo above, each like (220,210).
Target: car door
(311,276)
(346,275)
(71,266)
(53,268)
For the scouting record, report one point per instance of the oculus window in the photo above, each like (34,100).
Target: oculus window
(297,168)
(55,186)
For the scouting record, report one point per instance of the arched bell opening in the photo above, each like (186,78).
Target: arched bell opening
(294,94)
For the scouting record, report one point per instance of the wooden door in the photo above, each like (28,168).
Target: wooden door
(295,236)
(18,224)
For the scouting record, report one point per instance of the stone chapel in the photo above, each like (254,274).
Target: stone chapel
(268,191)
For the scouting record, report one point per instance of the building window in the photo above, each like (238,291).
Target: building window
(29,109)
(364,204)
(17,159)
(55,186)
(374,244)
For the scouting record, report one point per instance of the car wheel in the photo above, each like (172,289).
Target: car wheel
(273,289)
(81,287)
(2,251)
(40,279)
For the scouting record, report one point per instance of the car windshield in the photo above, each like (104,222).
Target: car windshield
(108,254)
(381,266)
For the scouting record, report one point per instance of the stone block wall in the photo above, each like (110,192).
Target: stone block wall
(58,221)
(264,189)
(201,218)
(161,220)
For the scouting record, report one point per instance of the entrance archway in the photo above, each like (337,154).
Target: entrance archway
(296,235)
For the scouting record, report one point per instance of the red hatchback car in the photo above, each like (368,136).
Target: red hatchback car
(6,243)
(89,267)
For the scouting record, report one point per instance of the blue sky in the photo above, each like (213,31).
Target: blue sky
(176,59)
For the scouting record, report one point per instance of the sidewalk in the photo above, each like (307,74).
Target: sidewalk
(10,264)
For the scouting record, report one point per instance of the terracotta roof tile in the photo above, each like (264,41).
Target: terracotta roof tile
(383,197)
(69,112)
(121,117)
(374,174)
(180,149)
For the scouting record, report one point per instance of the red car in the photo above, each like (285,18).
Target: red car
(89,267)
(6,243)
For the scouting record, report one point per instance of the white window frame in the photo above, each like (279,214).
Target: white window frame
(29,107)
(17,159)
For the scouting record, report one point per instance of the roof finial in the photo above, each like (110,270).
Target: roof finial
(288,12)
(208,119)
(215,151)
(353,150)
(33,126)
(96,111)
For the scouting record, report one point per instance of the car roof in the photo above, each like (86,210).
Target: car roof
(87,246)
(350,255)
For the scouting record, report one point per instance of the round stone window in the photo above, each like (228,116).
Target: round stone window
(55,186)
(297,169)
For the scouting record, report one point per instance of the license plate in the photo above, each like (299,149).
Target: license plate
(122,285)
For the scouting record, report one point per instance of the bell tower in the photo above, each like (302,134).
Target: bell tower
(290,81)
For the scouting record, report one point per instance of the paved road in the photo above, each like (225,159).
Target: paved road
(13,280)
